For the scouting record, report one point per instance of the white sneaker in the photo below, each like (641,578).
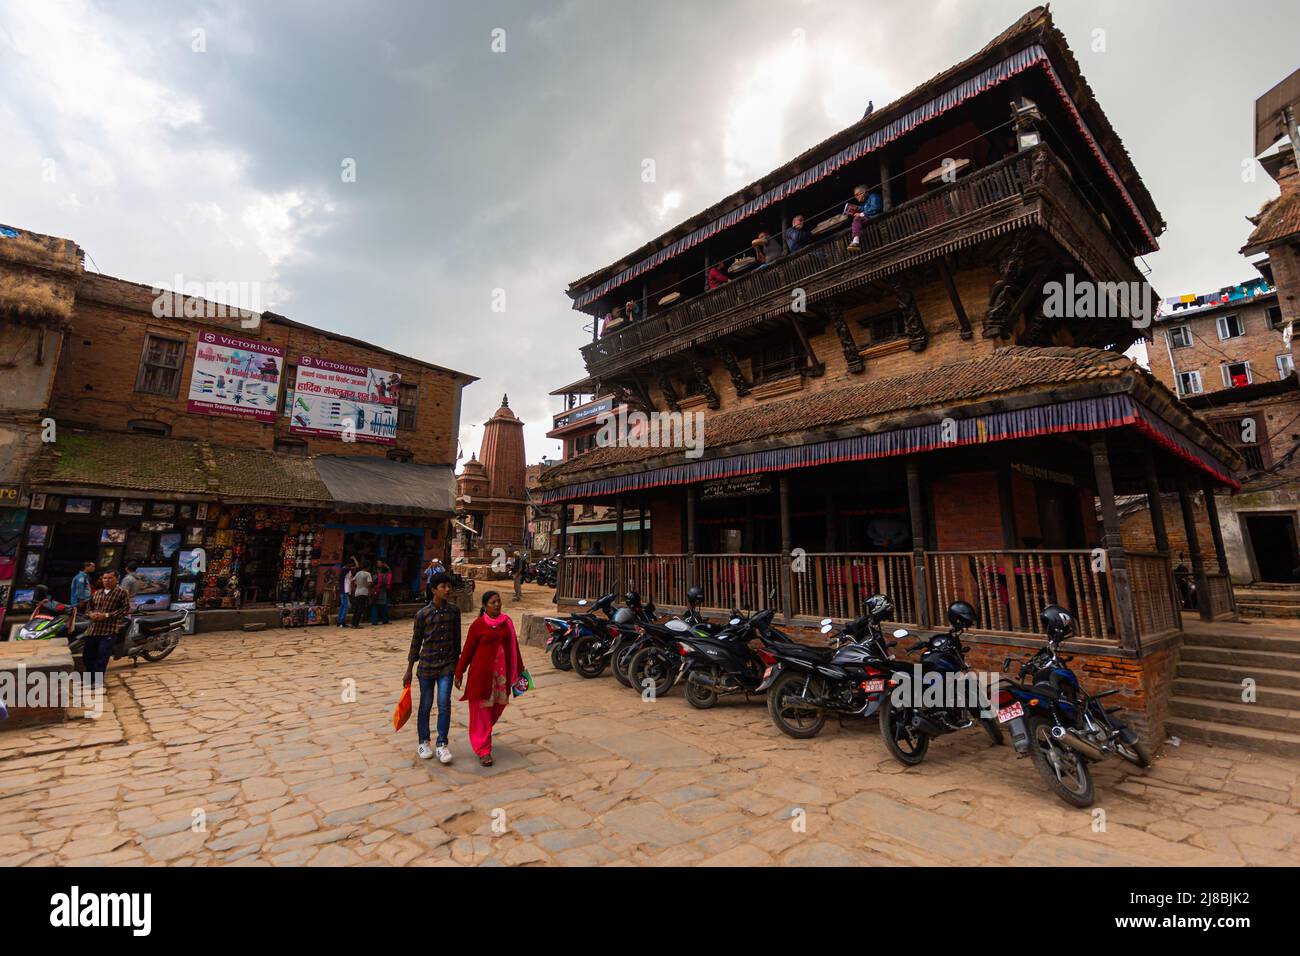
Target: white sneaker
(443,753)
(425,751)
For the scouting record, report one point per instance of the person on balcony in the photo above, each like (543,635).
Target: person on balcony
(717,277)
(796,237)
(614,321)
(767,248)
(863,206)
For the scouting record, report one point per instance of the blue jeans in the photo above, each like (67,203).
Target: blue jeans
(426,705)
(344,601)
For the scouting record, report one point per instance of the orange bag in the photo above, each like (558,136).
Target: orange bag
(403,712)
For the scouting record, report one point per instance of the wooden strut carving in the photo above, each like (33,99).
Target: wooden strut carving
(732,364)
(917,334)
(851,356)
(1005,292)
(812,367)
(702,377)
(670,393)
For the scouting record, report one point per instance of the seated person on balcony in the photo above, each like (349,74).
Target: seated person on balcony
(863,206)
(717,277)
(796,237)
(767,248)
(632,311)
(614,320)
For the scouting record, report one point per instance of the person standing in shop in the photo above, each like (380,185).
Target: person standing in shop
(362,581)
(382,587)
(346,570)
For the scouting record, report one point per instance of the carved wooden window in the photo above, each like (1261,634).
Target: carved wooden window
(1236,429)
(408,400)
(777,357)
(160,366)
(884,328)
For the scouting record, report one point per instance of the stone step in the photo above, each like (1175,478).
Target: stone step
(1252,609)
(1233,674)
(1260,716)
(1266,693)
(1231,735)
(1234,655)
(1268,639)
(1268,587)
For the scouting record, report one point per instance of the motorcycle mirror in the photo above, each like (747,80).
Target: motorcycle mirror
(734,621)
(826,620)
(900,633)
(582,603)
(827,628)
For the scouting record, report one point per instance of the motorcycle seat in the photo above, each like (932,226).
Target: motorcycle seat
(159,622)
(801,651)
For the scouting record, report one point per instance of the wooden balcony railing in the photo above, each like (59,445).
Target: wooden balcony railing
(939,209)
(1219,595)
(838,585)
(1007,588)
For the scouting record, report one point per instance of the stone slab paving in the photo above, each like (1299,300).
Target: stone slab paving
(256,736)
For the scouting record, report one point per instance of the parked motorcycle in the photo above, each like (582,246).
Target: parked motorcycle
(152,635)
(909,725)
(848,677)
(724,662)
(655,656)
(562,632)
(596,646)
(1061,726)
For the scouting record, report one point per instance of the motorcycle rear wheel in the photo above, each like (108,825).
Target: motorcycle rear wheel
(993,729)
(1135,753)
(1073,783)
(586,661)
(559,660)
(796,720)
(699,696)
(652,664)
(153,657)
(904,744)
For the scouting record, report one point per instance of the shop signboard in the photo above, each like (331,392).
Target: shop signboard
(741,486)
(235,377)
(353,402)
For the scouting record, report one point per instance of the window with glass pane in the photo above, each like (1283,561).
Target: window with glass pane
(1230,327)
(408,400)
(160,366)
(1285,364)
(1180,337)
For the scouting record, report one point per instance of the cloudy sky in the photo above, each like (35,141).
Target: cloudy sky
(209,140)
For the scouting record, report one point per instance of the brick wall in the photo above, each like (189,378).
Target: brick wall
(95,382)
(967,511)
(666,525)
(1136,531)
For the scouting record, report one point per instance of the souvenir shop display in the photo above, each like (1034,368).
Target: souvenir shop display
(299,614)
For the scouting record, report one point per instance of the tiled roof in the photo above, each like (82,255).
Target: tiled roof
(1277,219)
(136,462)
(254,473)
(1007,370)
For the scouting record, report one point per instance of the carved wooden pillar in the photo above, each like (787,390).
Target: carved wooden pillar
(916,510)
(618,546)
(1158,529)
(670,394)
(1216,532)
(1113,542)
(783,489)
(918,336)
(1185,500)
(732,365)
(564,547)
(702,377)
(690,536)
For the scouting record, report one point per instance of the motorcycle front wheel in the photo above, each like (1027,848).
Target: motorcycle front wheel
(1064,771)
(786,702)
(586,659)
(905,744)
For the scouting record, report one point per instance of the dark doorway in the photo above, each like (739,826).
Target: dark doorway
(71,546)
(1273,541)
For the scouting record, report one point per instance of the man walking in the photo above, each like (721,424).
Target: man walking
(108,609)
(517,573)
(361,582)
(435,643)
(383,584)
(345,590)
(81,586)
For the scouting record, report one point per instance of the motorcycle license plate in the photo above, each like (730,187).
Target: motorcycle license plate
(1010,712)
(875,686)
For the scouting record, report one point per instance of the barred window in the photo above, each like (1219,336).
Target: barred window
(408,400)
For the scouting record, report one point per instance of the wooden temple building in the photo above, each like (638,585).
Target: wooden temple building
(906,416)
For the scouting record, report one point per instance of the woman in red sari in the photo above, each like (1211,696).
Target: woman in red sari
(492,655)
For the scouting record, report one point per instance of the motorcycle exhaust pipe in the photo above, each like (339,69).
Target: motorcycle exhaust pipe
(930,727)
(1076,743)
(704,680)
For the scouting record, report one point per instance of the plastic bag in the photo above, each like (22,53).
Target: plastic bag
(403,712)
(523,685)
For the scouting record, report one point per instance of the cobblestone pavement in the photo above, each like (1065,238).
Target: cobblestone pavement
(252,730)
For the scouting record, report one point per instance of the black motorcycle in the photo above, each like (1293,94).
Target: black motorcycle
(848,677)
(1061,726)
(654,656)
(724,662)
(935,697)
(562,632)
(596,646)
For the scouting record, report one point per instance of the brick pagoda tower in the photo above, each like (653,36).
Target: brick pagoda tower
(498,512)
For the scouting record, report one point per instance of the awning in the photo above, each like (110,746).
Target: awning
(603,528)
(379,486)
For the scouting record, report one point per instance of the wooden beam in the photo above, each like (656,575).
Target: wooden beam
(962,319)
(1194,549)
(916,510)
(813,367)
(1113,542)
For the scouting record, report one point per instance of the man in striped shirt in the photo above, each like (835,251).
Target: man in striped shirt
(435,643)
(108,609)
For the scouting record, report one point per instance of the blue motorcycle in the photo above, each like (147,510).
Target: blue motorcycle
(1055,721)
